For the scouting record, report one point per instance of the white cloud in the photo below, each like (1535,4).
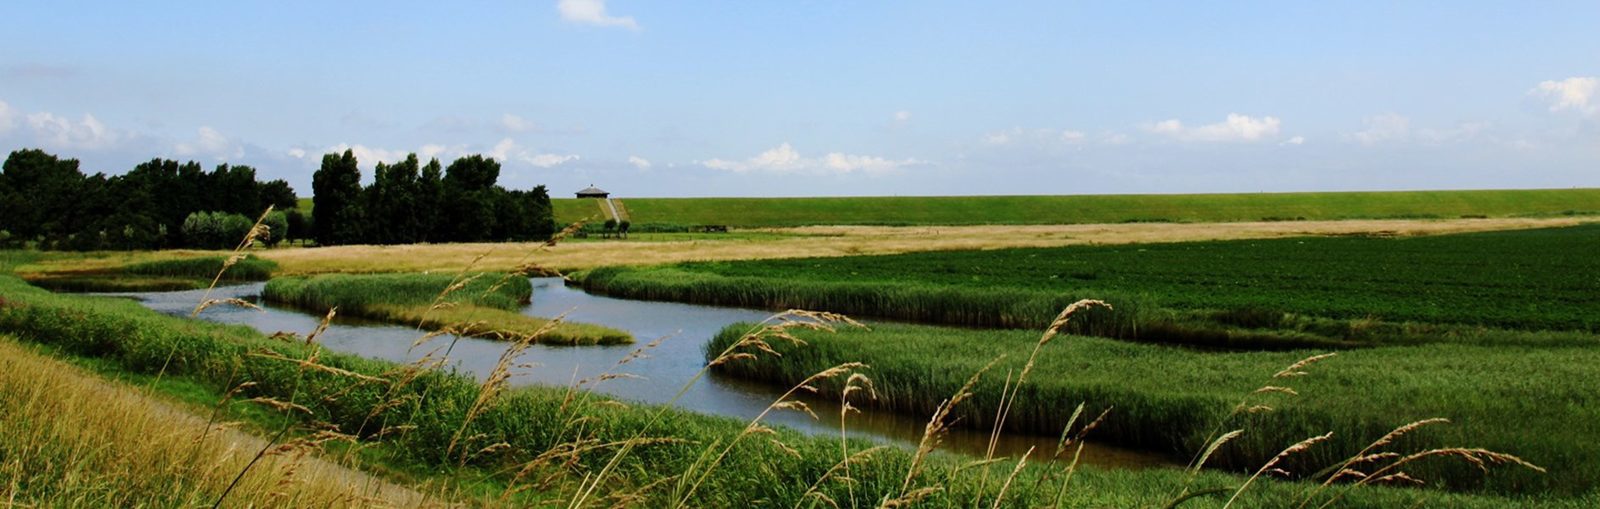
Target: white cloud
(639,162)
(1044,137)
(60,132)
(209,142)
(516,124)
(1297,140)
(902,116)
(434,150)
(1576,93)
(507,151)
(1387,127)
(1236,128)
(785,159)
(297,153)
(8,118)
(593,12)
(369,157)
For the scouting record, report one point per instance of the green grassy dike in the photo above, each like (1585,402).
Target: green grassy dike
(1534,402)
(414,433)
(486,305)
(1083,209)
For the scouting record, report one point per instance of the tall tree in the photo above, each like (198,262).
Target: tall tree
(390,203)
(336,188)
(469,198)
(429,196)
(44,190)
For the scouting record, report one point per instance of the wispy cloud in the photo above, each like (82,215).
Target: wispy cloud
(784,159)
(209,143)
(593,12)
(639,162)
(507,150)
(1236,128)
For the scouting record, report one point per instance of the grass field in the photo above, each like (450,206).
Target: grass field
(1342,288)
(969,210)
(484,304)
(410,418)
(1535,402)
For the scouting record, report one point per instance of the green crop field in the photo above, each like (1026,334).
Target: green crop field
(1544,279)
(965,210)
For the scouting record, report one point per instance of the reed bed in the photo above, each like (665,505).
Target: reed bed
(483,304)
(249,268)
(1533,402)
(411,415)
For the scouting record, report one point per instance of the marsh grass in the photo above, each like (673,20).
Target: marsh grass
(474,304)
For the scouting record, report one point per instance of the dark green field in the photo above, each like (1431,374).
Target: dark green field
(964,210)
(1545,279)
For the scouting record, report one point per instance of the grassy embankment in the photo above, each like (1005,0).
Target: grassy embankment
(1320,291)
(71,439)
(410,416)
(964,210)
(482,304)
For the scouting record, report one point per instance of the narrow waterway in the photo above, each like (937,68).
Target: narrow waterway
(685,327)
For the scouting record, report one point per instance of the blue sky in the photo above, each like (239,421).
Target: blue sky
(795,98)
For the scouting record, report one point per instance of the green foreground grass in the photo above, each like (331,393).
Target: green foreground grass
(481,304)
(963,210)
(1294,292)
(410,416)
(1536,402)
(71,439)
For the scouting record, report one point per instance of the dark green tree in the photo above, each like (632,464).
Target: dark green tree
(429,198)
(391,203)
(299,226)
(336,188)
(42,193)
(469,199)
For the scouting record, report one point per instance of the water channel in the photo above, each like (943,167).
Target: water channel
(686,329)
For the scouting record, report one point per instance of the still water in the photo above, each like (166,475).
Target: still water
(686,328)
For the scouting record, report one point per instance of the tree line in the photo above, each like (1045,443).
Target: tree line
(410,202)
(50,203)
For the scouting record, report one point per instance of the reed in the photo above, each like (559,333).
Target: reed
(475,304)
(1177,401)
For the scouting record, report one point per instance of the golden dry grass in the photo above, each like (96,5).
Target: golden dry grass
(818,241)
(70,439)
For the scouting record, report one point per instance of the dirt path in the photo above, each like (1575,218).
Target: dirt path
(816,241)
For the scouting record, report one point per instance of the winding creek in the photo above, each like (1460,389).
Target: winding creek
(686,328)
